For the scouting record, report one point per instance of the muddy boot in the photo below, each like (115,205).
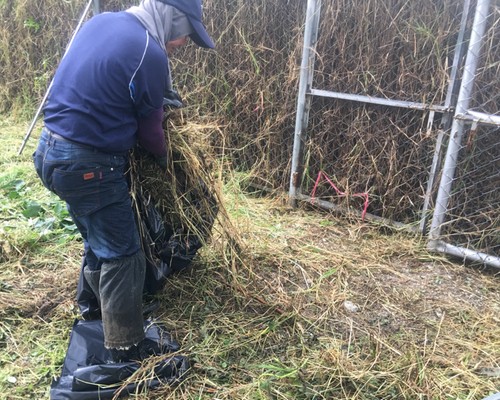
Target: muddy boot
(138,352)
(121,285)
(157,342)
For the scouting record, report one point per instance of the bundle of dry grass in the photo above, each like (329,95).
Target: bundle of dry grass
(181,204)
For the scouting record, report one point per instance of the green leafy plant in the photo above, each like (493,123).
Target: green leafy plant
(32,24)
(46,217)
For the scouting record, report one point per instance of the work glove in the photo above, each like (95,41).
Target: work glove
(161,161)
(172,100)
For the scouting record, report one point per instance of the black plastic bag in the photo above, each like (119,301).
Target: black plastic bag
(167,251)
(89,374)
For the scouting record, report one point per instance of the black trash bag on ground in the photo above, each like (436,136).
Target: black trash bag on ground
(89,374)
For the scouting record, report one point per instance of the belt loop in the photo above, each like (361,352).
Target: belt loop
(48,134)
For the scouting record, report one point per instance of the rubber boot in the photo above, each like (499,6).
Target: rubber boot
(120,286)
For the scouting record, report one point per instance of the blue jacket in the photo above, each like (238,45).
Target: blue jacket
(114,74)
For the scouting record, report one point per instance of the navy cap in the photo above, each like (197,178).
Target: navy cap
(192,9)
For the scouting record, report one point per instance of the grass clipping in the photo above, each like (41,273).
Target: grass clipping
(185,197)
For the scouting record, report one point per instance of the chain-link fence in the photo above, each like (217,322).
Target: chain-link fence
(472,212)
(376,89)
(376,104)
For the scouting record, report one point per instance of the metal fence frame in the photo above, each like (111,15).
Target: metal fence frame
(462,117)
(455,115)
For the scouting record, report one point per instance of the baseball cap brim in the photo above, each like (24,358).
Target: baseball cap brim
(200,35)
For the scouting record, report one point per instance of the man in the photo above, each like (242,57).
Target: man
(106,96)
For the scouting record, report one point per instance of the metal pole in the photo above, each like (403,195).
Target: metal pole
(457,129)
(328,205)
(451,99)
(378,100)
(467,254)
(97,8)
(30,129)
(304,101)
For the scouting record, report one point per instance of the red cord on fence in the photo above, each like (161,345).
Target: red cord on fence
(340,193)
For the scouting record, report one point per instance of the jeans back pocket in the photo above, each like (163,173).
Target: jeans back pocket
(88,190)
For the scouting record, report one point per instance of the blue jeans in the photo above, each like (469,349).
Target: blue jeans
(94,186)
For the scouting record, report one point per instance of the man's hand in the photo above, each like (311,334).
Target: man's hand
(172,100)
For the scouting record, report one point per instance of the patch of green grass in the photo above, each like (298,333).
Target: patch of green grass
(23,204)
(30,214)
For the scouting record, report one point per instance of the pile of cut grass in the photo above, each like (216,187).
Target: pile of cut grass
(313,307)
(186,194)
(185,198)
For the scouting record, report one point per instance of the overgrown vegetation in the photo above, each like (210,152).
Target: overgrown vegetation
(399,50)
(249,85)
(314,308)
(311,306)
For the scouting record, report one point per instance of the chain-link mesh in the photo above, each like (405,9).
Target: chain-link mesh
(473,218)
(400,51)
(486,93)
(367,149)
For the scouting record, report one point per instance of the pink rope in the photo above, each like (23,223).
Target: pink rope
(340,193)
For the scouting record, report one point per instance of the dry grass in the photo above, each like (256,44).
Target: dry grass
(278,326)
(310,307)
(186,194)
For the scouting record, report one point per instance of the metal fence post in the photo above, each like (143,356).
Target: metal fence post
(303,100)
(457,129)
(97,8)
(451,100)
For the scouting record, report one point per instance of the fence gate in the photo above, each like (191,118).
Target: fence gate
(465,211)
(466,220)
